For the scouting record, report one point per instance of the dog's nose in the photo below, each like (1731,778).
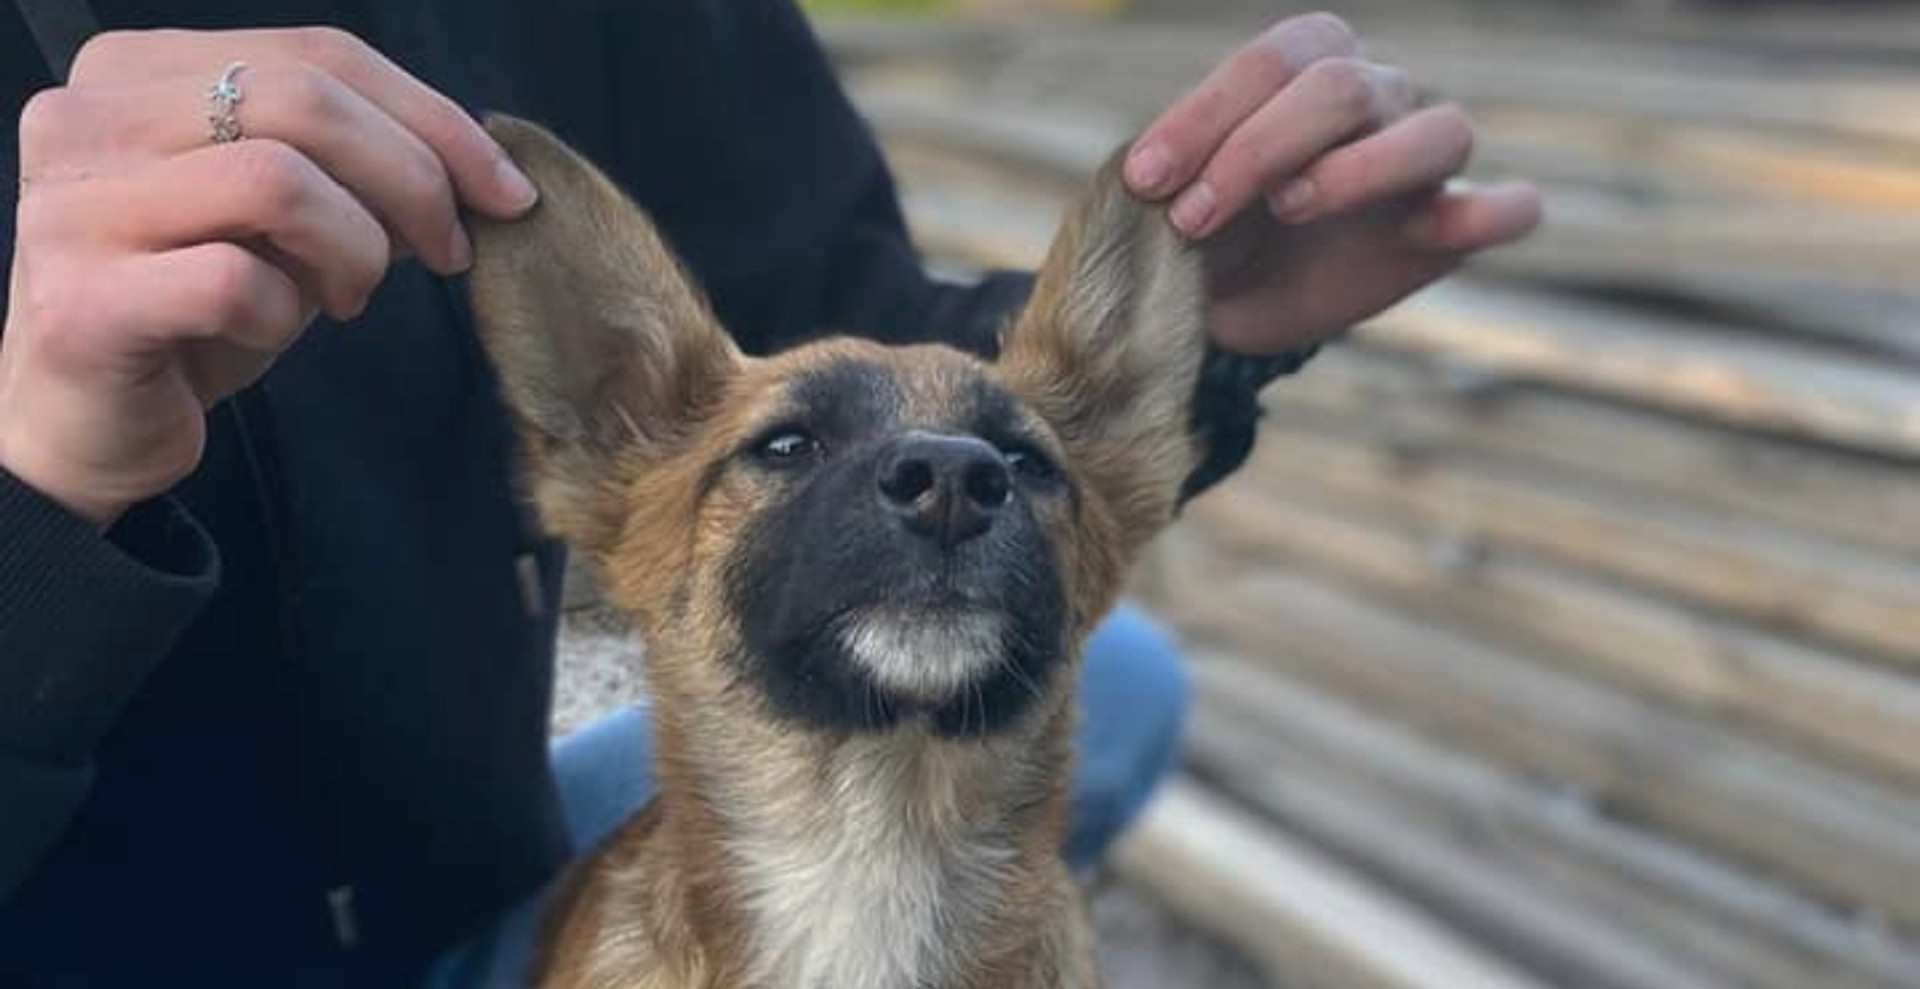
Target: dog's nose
(944,488)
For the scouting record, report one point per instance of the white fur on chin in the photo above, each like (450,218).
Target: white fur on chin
(927,655)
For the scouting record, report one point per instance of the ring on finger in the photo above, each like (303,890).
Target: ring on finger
(224,98)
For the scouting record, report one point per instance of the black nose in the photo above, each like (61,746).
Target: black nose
(944,488)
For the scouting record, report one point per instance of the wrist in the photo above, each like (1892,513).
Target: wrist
(35,471)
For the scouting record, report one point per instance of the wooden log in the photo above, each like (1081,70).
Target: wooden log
(1436,409)
(1141,68)
(1509,910)
(1569,892)
(1836,835)
(1678,33)
(1697,163)
(1765,253)
(1774,578)
(1866,323)
(998,215)
(1810,247)
(1301,915)
(1819,33)
(1864,718)
(1568,75)
(1688,366)
(1669,363)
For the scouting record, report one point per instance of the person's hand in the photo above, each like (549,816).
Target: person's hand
(1318,189)
(156,271)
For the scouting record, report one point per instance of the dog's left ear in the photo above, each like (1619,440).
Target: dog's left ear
(606,355)
(1109,350)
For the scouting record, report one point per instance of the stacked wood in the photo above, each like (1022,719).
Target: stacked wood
(1317,923)
(1565,624)
(1785,184)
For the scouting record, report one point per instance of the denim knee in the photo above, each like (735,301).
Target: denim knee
(605,773)
(1134,694)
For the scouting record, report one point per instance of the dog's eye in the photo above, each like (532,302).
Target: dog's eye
(787,445)
(1029,464)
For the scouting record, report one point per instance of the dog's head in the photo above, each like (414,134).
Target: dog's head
(861,535)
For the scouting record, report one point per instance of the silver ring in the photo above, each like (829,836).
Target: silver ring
(224,99)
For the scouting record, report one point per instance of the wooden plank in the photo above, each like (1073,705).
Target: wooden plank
(1509,910)
(1821,33)
(1763,250)
(1000,213)
(1876,325)
(1701,163)
(1838,836)
(1625,236)
(1669,363)
(1775,578)
(1139,68)
(1571,76)
(1863,717)
(1297,912)
(1679,29)
(1689,366)
(1569,892)
(1438,408)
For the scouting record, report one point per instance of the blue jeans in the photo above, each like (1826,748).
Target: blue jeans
(1133,697)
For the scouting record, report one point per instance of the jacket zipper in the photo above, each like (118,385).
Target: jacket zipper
(253,422)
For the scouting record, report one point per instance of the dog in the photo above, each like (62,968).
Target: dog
(863,575)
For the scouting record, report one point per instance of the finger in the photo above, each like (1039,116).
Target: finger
(1172,150)
(1420,151)
(483,176)
(249,190)
(1333,101)
(383,164)
(211,293)
(1474,218)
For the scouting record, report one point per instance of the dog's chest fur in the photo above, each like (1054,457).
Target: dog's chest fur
(885,883)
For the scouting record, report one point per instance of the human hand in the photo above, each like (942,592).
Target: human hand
(157,271)
(1319,191)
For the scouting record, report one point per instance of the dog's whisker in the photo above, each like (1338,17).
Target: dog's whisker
(632,424)
(980,695)
(1020,676)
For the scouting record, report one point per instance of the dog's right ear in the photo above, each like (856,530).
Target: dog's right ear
(606,355)
(1109,351)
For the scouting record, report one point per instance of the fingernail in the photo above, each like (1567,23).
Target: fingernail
(459,249)
(1148,168)
(514,185)
(1193,211)
(1295,201)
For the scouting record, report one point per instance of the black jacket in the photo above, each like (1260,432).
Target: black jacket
(309,688)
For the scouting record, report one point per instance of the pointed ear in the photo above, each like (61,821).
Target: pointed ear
(606,355)
(1109,349)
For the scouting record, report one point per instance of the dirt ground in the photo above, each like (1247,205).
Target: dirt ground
(1143,946)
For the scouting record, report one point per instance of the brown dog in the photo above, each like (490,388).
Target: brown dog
(863,575)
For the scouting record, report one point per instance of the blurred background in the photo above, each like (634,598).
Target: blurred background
(1564,630)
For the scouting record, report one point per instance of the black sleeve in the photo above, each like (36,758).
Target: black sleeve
(83,619)
(737,136)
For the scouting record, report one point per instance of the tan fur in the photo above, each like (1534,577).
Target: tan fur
(626,393)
